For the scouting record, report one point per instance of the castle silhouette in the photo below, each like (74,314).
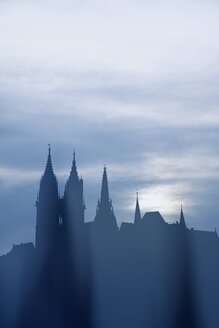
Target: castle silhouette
(148,273)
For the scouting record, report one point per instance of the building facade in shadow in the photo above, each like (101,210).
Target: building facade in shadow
(143,274)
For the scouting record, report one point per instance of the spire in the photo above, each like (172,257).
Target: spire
(47,208)
(182,220)
(74,173)
(104,198)
(74,161)
(105,217)
(137,211)
(48,182)
(49,169)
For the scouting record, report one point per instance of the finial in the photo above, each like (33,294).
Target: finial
(104,167)
(137,193)
(74,167)
(49,148)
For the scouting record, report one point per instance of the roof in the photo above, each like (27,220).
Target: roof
(22,248)
(126,226)
(153,218)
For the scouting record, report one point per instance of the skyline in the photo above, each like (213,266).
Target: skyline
(87,274)
(131,85)
(63,177)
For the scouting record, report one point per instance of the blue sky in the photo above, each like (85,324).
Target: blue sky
(130,84)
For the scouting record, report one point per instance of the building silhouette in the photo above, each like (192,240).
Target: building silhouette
(47,204)
(147,273)
(105,218)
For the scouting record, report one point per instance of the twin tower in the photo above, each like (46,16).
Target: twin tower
(60,219)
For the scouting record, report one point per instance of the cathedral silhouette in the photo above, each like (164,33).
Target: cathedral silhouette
(148,273)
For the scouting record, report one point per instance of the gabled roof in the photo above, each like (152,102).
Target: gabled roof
(126,226)
(153,219)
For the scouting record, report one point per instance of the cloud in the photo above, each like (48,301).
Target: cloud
(11,177)
(134,86)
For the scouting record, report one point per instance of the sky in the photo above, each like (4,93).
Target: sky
(130,84)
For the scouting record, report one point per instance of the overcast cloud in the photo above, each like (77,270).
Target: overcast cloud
(133,84)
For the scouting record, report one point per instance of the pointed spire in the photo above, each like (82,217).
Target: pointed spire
(105,215)
(74,161)
(74,173)
(48,182)
(137,211)
(49,168)
(182,220)
(104,198)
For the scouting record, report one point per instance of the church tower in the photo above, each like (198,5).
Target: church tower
(47,223)
(105,218)
(73,214)
(137,218)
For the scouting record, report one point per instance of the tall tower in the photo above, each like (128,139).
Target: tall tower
(47,223)
(73,214)
(105,217)
(137,218)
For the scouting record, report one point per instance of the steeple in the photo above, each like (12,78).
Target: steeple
(104,198)
(105,217)
(49,169)
(73,201)
(137,211)
(47,208)
(73,181)
(48,183)
(182,220)
(74,173)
